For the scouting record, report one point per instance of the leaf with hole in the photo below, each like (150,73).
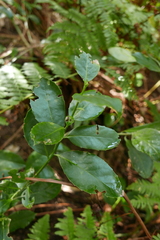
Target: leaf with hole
(4,228)
(81,169)
(49,107)
(27,200)
(94,137)
(147,141)
(85,67)
(47,132)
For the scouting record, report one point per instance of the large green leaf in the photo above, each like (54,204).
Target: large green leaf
(154,125)
(141,162)
(94,137)
(147,141)
(47,132)
(9,161)
(20,219)
(4,228)
(90,173)
(121,54)
(49,107)
(29,123)
(101,101)
(85,110)
(148,62)
(85,67)
(43,191)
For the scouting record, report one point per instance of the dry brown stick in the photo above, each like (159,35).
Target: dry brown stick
(137,216)
(108,79)
(48,205)
(59,211)
(41,180)
(12,137)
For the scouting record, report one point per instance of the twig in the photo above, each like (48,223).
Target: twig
(137,216)
(48,205)
(59,211)
(41,180)
(108,79)
(11,138)
(155,86)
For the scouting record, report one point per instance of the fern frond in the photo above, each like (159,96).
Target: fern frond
(85,225)
(146,187)
(148,192)
(144,202)
(156,237)
(40,229)
(59,69)
(13,86)
(66,225)
(34,73)
(106,227)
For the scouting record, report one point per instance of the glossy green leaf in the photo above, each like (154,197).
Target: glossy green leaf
(85,110)
(21,219)
(29,123)
(154,125)
(47,132)
(147,141)
(94,137)
(146,61)
(4,228)
(121,54)
(141,162)
(81,169)
(43,192)
(27,200)
(101,101)
(9,161)
(49,107)
(85,67)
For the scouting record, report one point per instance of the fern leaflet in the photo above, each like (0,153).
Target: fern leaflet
(40,229)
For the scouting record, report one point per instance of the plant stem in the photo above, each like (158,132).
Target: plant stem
(137,216)
(49,158)
(124,134)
